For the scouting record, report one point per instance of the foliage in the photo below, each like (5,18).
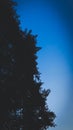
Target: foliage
(23,101)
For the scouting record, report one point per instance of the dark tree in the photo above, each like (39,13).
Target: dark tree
(38,116)
(22,99)
(10,39)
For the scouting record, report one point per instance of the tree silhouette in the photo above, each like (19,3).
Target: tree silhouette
(23,101)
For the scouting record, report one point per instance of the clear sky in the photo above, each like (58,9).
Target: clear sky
(52,20)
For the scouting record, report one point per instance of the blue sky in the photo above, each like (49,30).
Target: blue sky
(52,20)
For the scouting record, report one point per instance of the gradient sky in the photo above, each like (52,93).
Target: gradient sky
(52,20)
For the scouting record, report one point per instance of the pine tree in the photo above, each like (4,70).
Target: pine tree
(22,99)
(37,114)
(10,37)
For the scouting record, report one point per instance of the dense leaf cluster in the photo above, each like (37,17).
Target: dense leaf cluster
(22,99)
